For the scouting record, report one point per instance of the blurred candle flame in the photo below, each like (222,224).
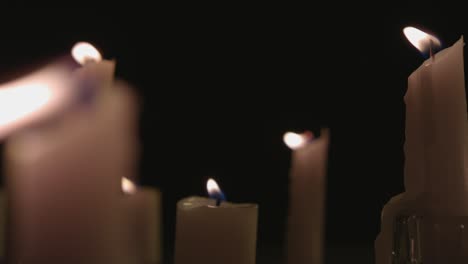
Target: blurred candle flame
(84,52)
(213,190)
(35,97)
(128,187)
(421,40)
(296,141)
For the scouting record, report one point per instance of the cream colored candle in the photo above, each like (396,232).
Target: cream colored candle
(307,197)
(64,179)
(207,233)
(142,211)
(435,150)
(3,224)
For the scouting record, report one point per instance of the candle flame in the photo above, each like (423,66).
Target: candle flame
(421,40)
(34,98)
(128,187)
(213,190)
(84,52)
(296,141)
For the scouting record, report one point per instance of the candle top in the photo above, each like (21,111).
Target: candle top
(196,202)
(441,54)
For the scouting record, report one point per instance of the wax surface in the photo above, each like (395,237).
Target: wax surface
(206,233)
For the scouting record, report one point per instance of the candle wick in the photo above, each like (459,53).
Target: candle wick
(218,202)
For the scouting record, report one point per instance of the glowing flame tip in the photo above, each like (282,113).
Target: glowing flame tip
(84,52)
(128,187)
(420,39)
(213,190)
(296,141)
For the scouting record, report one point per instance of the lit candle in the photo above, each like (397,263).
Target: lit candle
(307,195)
(435,150)
(142,212)
(210,230)
(101,71)
(64,180)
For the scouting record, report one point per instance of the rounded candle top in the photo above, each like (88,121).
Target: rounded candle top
(195,202)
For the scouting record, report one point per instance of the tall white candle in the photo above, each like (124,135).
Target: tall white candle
(3,224)
(307,197)
(435,146)
(211,233)
(142,214)
(64,178)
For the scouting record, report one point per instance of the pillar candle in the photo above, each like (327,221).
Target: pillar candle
(307,197)
(64,179)
(3,226)
(142,214)
(210,233)
(435,148)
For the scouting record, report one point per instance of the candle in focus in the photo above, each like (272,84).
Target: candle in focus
(435,152)
(210,233)
(142,212)
(64,183)
(307,197)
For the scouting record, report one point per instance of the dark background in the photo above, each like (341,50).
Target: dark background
(220,86)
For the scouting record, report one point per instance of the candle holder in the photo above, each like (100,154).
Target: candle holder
(430,239)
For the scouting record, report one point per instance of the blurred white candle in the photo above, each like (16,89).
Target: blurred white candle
(142,211)
(3,222)
(307,197)
(207,233)
(65,185)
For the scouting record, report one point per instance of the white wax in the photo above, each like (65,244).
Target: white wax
(435,146)
(206,233)
(3,222)
(101,72)
(307,198)
(142,211)
(65,182)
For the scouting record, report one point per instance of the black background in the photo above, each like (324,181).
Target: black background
(220,86)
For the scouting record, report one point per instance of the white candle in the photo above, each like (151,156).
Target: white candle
(65,185)
(3,222)
(142,212)
(99,70)
(211,233)
(435,148)
(307,197)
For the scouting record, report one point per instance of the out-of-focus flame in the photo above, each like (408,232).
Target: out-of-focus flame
(213,190)
(84,52)
(296,141)
(420,39)
(128,187)
(34,98)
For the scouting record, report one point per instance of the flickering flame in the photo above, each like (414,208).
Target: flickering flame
(420,39)
(296,141)
(128,187)
(84,52)
(34,98)
(213,190)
